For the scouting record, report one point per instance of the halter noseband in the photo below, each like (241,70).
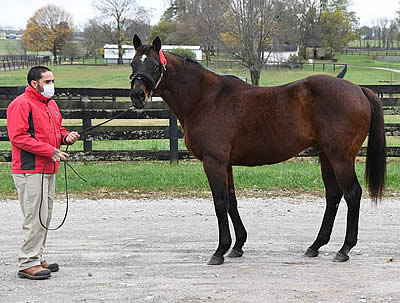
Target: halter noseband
(147,79)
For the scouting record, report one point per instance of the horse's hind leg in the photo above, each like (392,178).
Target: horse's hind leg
(240,231)
(348,181)
(333,194)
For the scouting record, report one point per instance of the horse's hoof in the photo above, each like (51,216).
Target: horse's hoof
(311,253)
(235,253)
(339,257)
(216,260)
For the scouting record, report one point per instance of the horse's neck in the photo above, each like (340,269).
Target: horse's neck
(179,91)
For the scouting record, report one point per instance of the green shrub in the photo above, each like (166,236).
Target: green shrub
(184,53)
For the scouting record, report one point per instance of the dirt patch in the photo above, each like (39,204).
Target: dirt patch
(156,250)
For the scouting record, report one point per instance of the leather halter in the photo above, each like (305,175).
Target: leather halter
(148,80)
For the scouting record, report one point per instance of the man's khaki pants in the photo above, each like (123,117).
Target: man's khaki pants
(29,187)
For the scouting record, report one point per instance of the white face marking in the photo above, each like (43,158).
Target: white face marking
(144,57)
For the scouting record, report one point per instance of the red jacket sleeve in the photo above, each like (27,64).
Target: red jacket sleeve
(63,131)
(18,126)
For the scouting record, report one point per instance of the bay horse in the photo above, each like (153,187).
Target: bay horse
(228,122)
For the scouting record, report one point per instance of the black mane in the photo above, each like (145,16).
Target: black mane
(185,59)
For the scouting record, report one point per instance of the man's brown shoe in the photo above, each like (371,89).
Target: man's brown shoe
(53,267)
(36,272)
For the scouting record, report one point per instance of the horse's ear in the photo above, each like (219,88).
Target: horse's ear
(136,42)
(156,44)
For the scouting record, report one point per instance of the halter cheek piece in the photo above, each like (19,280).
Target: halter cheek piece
(147,79)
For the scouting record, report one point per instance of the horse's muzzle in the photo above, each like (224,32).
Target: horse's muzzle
(138,98)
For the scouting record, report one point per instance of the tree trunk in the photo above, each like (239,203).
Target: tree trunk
(255,75)
(120,40)
(120,61)
(55,54)
(207,55)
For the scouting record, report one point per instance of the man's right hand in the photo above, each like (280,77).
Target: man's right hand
(59,155)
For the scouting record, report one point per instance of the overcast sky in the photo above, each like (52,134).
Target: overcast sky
(16,12)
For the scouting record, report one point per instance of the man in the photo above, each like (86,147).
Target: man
(34,125)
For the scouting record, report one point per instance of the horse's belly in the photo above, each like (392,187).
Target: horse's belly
(262,154)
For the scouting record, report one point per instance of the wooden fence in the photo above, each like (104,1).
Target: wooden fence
(22,61)
(89,103)
(356,51)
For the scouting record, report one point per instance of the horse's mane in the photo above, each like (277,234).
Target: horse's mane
(186,59)
(196,63)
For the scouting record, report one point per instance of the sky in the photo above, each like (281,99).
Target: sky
(17,12)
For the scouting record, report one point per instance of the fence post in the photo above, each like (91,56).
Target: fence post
(173,139)
(86,123)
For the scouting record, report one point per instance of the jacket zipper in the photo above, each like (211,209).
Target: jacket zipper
(54,131)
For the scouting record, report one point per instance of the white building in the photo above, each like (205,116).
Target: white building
(281,53)
(194,48)
(111,52)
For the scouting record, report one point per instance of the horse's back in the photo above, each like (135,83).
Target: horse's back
(279,122)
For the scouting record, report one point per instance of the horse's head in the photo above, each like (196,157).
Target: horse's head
(147,70)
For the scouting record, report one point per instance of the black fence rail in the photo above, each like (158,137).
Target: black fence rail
(87,104)
(371,51)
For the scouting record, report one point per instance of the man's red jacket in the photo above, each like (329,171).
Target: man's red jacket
(34,125)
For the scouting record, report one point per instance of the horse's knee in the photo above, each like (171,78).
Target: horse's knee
(355,192)
(333,198)
(221,210)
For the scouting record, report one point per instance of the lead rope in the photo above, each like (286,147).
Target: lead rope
(65,174)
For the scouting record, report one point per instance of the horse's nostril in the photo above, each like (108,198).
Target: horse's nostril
(139,94)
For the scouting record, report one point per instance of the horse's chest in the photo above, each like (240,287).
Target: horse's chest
(192,147)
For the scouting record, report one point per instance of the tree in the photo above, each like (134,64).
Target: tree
(93,37)
(172,29)
(308,17)
(118,16)
(48,29)
(337,28)
(249,31)
(205,18)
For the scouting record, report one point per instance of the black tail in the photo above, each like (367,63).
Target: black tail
(375,168)
(343,72)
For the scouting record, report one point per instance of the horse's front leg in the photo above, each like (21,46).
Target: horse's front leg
(216,172)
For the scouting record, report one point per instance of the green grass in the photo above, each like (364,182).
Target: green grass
(189,176)
(8,47)
(15,47)
(76,76)
(114,76)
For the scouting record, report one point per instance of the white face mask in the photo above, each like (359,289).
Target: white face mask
(48,90)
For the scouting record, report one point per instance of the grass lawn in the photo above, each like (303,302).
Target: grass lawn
(114,76)
(188,176)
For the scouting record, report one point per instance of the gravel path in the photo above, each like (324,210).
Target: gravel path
(157,250)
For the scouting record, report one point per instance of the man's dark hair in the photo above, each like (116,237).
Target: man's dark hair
(35,73)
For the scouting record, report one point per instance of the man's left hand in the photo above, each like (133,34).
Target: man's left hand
(72,137)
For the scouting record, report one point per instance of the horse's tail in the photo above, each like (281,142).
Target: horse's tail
(342,73)
(375,168)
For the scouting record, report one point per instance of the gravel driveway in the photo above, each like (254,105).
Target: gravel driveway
(156,251)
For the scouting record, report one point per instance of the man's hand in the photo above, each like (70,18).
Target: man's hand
(72,137)
(59,155)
